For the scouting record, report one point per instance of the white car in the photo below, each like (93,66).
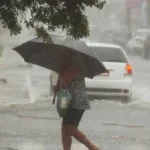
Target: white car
(135,44)
(116,83)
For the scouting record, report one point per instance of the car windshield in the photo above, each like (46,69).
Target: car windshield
(109,54)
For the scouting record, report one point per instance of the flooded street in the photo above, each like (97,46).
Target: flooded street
(107,124)
(28,119)
(33,124)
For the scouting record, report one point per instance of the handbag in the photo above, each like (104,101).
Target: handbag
(64,98)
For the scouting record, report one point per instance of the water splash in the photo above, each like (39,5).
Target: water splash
(31,91)
(141,95)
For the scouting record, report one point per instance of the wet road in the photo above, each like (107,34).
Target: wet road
(110,124)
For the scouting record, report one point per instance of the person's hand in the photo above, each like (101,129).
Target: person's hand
(55,89)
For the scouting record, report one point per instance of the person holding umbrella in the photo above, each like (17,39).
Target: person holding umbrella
(72,77)
(73,61)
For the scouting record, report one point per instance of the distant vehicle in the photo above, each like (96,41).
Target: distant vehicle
(136,43)
(119,37)
(116,83)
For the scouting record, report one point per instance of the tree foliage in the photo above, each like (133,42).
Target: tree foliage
(68,15)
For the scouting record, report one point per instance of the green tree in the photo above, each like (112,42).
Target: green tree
(68,15)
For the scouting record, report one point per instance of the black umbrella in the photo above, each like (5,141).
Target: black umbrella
(47,55)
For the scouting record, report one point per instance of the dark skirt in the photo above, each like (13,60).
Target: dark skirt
(73,117)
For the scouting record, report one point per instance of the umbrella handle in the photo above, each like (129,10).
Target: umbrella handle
(54,97)
(55,93)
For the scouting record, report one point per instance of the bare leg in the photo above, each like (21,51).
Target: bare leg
(66,138)
(77,134)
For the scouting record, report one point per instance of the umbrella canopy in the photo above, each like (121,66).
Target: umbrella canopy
(50,55)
